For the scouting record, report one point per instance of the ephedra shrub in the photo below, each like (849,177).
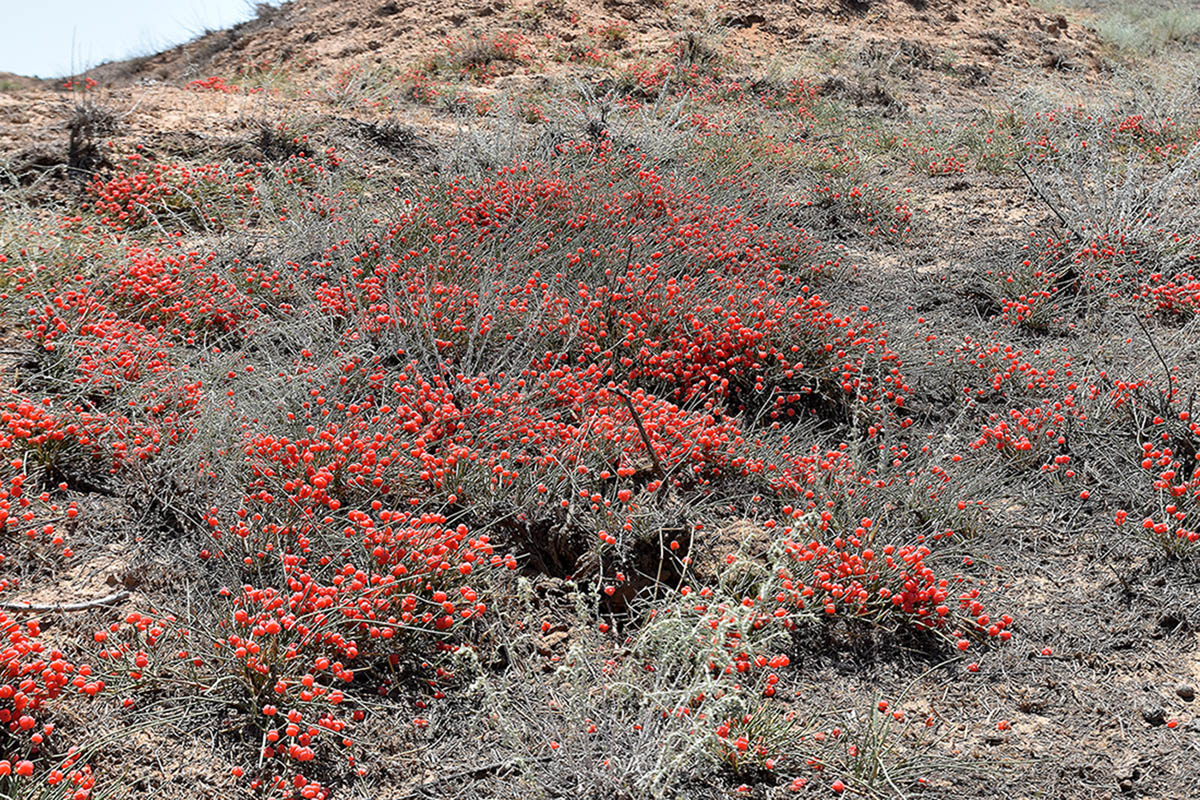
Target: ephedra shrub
(346,435)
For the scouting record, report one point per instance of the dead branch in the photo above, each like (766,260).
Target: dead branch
(116,597)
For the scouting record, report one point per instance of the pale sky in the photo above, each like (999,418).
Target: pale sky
(36,35)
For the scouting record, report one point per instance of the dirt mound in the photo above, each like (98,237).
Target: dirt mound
(1010,33)
(10,81)
(980,39)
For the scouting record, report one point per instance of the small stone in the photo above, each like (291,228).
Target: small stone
(1185,692)
(1154,715)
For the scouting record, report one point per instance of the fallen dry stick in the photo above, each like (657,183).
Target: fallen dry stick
(81,606)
